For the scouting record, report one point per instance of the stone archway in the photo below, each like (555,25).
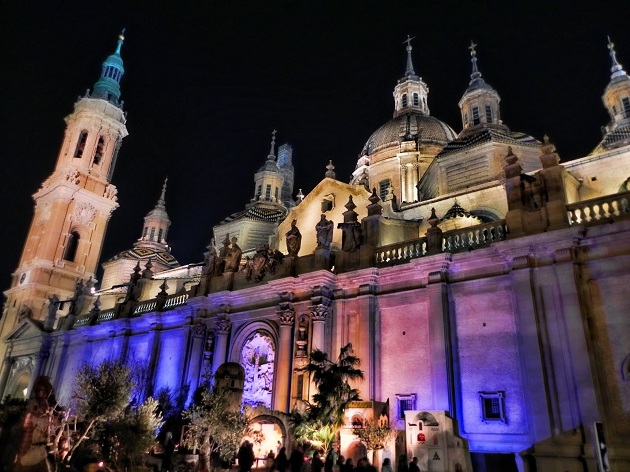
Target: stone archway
(275,429)
(356,450)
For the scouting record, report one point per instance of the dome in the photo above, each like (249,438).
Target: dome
(409,126)
(142,254)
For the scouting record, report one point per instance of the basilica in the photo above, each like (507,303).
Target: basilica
(480,280)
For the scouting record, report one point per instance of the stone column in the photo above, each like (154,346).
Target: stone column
(222,330)
(319,313)
(4,373)
(283,367)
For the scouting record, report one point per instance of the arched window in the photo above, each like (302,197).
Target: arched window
(152,235)
(71,246)
(78,152)
(404,100)
(98,153)
(160,234)
(416,100)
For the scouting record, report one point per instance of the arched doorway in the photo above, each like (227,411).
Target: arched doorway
(20,385)
(356,451)
(274,435)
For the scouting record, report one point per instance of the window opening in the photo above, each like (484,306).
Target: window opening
(406,402)
(268,192)
(416,100)
(71,246)
(160,233)
(475,115)
(626,106)
(98,154)
(488,114)
(152,235)
(78,152)
(492,406)
(404,100)
(383,185)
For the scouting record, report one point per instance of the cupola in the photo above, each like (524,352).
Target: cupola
(410,94)
(108,85)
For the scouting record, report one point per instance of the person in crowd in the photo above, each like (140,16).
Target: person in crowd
(387,465)
(316,463)
(413,465)
(281,463)
(297,459)
(349,465)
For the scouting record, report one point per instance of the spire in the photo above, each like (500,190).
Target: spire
(161,202)
(409,72)
(616,69)
(156,224)
(476,75)
(272,150)
(108,85)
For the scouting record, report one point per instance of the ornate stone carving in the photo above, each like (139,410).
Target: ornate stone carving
(257,358)
(111,192)
(223,324)
(84,213)
(301,343)
(198,329)
(287,317)
(319,312)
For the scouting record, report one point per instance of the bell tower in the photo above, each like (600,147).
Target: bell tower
(74,204)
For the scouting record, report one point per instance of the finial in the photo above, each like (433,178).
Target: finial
(121,39)
(299,196)
(409,72)
(473,58)
(272,151)
(330,170)
(616,69)
(162,201)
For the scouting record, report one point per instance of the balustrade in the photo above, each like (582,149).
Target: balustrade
(599,210)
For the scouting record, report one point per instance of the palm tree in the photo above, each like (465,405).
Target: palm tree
(334,393)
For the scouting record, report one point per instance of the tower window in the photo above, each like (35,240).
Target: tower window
(416,100)
(383,185)
(488,114)
(78,152)
(475,115)
(276,194)
(146,230)
(625,101)
(98,154)
(152,235)
(71,246)
(492,406)
(258,192)
(160,233)
(404,100)
(268,192)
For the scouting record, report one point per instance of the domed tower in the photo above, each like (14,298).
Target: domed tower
(397,154)
(151,246)
(480,103)
(616,99)
(73,205)
(253,226)
(477,155)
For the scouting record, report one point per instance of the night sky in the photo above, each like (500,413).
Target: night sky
(205,86)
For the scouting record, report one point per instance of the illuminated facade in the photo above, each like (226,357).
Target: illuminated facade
(480,281)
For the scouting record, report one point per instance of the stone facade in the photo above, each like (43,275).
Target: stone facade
(496,308)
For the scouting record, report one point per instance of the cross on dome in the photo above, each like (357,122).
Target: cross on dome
(616,69)
(409,72)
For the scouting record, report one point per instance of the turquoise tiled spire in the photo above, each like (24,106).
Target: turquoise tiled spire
(108,86)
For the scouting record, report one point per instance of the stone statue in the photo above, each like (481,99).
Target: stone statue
(324,229)
(210,259)
(233,257)
(294,240)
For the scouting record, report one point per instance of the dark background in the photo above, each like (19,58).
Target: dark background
(206,83)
